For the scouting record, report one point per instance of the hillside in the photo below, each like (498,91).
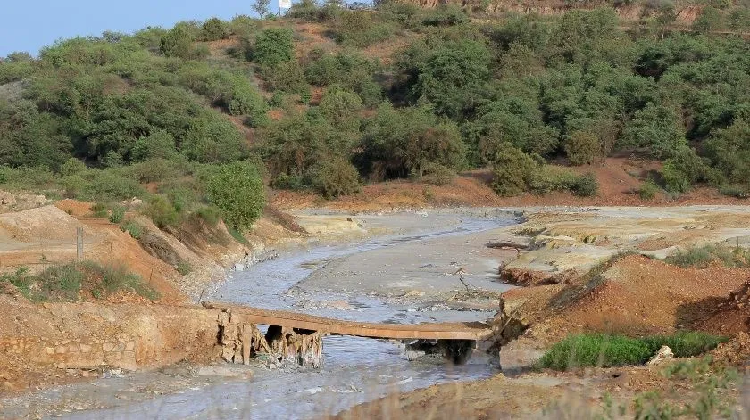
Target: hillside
(326,100)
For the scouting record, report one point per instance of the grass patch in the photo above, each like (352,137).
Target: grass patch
(607,350)
(703,256)
(184,268)
(68,282)
(237,236)
(648,190)
(132,227)
(99,210)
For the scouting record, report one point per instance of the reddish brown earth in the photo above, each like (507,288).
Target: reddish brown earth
(618,180)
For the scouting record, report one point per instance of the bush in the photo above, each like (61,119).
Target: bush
(99,210)
(585,186)
(162,212)
(178,42)
(118,213)
(132,227)
(513,171)
(736,191)
(209,214)
(335,177)
(274,46)
(583,148)
(546,179)
(648,190)
(703,256)
(103,185)
(605,350)
(72,166)
(70,282)
(445,15)
(214,29)
(237,190)
(360,29)
(184,268)
(437,174)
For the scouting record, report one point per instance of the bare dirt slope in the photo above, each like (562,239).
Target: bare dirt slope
(618,178)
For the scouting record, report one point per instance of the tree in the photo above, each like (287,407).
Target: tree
(341,108)
(710,19)
(237,190)
(657,129)
(261,7)
(452,76)
(400,142)
(212,138)
(178,42)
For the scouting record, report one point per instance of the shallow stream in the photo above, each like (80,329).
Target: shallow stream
(354,369)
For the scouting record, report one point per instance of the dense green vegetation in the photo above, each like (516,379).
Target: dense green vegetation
(99,118)
(616,350)
(75,281)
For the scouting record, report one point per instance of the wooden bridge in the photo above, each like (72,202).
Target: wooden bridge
(296,336)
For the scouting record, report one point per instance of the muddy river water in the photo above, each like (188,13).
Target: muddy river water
(316,280)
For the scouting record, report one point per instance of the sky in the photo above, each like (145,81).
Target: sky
(28,25)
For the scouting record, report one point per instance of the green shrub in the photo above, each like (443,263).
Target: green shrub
(648,190)
(209,214)
(72,166)
(547,178)
(162,212)
(274,46)
(445,15)
(583,148)
(513,171)
(596,350)
(585,185)
(736,191)
(104,185)
(66,282)
(237,190)
(334,177)
(605,350)
(360,29)
(118,213)
(437,174)
(685,343)
(703,256)
(184,268)
(99,210)
(214,29)
(132,227)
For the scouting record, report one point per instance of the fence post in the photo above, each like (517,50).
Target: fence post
(79,243)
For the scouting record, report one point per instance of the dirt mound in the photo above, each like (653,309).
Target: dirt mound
(639,296)
(48,222)
(736,352)
(731,315)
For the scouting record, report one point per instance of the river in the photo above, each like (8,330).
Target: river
(354,369)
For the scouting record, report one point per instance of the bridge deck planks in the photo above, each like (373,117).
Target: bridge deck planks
(442,331)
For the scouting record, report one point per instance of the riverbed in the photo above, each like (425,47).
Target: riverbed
(422,267)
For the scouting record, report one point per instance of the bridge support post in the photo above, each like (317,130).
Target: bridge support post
(241,341)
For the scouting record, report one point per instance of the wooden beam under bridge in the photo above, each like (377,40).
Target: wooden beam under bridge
(475,331)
